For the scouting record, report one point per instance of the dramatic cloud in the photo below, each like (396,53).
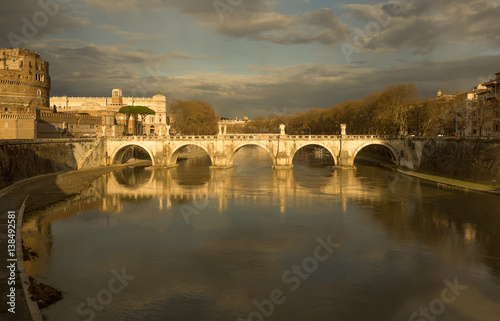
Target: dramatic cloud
(263,90)
(248,19)
(22,21)
(424,25)
(131,36)
(258,57)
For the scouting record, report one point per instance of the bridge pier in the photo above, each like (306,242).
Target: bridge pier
(282,161)
(221,161)
(345,160)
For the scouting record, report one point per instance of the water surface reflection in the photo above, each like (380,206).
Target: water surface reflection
(400,239)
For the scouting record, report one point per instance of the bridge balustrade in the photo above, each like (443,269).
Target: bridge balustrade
(256,137)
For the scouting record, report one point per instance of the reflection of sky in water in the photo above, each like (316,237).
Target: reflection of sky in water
(399,240)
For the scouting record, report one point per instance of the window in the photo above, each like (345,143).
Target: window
(6,109)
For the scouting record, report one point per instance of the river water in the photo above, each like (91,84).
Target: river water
(253,243)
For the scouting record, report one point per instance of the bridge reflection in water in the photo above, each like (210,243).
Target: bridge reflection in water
(416,227)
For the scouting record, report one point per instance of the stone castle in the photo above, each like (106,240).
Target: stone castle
(27,111)
(24,79)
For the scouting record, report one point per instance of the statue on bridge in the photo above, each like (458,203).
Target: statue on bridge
(343,128)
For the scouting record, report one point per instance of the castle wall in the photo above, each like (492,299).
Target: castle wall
(58,125)
(17,126)
(24,79)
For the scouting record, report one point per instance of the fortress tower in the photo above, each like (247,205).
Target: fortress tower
(24,80)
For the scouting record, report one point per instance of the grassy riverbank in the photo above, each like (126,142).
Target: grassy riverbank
(443,181)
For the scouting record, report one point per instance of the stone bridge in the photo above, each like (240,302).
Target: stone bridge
(222,148)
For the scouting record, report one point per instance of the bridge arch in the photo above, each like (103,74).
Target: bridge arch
(120,151)
(177,149)
(241,145)
(118,179)
(392,150)
(299,147)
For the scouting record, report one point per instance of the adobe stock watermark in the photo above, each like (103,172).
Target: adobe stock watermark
(155,74)
(279,113)
(481,79)
(225,6)
(194,208)
(438,306)
(31,27)
(293,278)
(104,297)
(373,28)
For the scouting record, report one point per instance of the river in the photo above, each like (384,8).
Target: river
(253,243)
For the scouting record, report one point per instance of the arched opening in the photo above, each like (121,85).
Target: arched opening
(191,155)
(131,153)
(376,154)
(251,156)
(313,156)
(132,177)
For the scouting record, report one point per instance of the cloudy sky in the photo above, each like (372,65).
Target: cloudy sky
(257,57)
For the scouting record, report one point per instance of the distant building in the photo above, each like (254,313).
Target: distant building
(230,121)
(484,103)
(108,107)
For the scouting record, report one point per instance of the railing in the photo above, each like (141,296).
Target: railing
(251,137)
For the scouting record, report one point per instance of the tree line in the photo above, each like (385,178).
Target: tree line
(396,110)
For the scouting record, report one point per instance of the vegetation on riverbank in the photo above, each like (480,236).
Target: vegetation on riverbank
(395,110)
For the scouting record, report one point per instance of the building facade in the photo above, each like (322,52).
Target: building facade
(151,125)
(484,103)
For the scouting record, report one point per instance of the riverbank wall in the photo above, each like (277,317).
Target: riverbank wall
(20,159)
(471,160)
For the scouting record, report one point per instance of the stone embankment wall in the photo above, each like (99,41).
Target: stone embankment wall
(472,160)
(20,159)
(95,156)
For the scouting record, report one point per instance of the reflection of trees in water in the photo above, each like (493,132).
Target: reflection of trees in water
(186,175)
(466,224)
